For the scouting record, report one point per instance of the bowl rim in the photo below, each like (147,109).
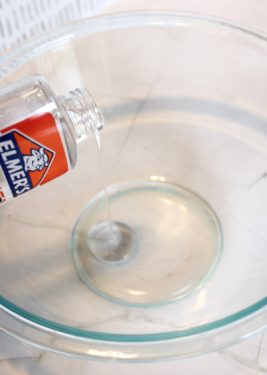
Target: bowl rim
(16,57)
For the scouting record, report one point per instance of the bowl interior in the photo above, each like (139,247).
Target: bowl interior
(185,104)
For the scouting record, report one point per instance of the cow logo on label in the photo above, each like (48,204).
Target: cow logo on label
(24,161)
(36,161)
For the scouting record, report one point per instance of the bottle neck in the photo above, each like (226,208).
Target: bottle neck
(82,112)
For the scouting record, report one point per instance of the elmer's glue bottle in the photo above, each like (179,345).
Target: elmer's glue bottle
(39,133)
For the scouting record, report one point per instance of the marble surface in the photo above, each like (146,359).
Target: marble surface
(247,357)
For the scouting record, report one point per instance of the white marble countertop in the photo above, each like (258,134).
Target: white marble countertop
(247,357)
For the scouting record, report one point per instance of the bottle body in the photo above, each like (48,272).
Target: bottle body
(37,136)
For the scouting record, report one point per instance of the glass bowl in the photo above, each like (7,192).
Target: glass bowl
(184,156)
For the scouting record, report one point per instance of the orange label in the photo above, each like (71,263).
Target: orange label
(32,153)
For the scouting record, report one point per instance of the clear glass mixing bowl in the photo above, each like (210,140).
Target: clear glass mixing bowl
(184,160)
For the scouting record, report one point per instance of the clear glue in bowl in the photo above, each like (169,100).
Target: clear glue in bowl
(175,265)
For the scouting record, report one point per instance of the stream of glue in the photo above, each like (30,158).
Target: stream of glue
(98,138)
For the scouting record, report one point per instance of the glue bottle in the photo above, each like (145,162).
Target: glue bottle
(39,133)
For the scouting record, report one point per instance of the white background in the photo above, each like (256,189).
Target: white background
(21,19)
